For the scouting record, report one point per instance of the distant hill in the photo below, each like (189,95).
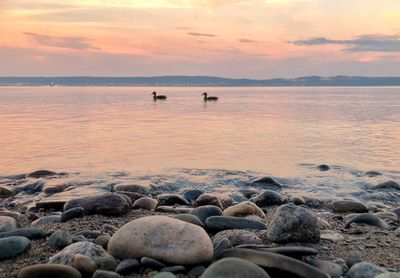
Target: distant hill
(195,81)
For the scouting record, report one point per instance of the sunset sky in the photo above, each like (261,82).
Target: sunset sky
(230,38)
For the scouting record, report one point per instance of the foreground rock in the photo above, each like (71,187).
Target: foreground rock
(107,204)
(49,270)
(364,270)
(244,209)
(348,206)
(162,238)
(7,224)
(293,224)
(234,267)
(11,247)
(102,259)
(367,218)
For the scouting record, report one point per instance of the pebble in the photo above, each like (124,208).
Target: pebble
(106,203)
(266,183)
(218,223)
(331,236)
(163,238)
(59,239)
(208,200)
(131,195)
(291,251)
(364,270)
(348,206)
(145,203)
(237,237)
(136,188)
(84,264)
(102,240)
(174,209)
(79,238)
(323,167)
(29,188)
(389,275)
(220,246)
(97,253)
(47,204)
(166,199)
(41,174)
(147,262)
(372,174)
(367,218)
(46,220)
(291,223)
(276,261)
(16,215)
(127,266)
(10,247)
(268,198)
(30,233)
(334,270)
(190,218)
(57,188)
(388,185)
(174,269)
(89,233)
(234,268)
(164,275)
(244,209)
(5,193)
(196,271)
(192,195)
(249,192)
(105,274)
(71,214)
(49,270)
(204,212)
(7,224)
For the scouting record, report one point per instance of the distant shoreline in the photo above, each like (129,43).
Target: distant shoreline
(201,81)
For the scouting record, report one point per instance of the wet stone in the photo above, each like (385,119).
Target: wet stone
(266,183)
(102,240)
(372,174)
(208,200)
(41,174)
(127,266)
(204,212)
(107,204)
(348,206)
(323,167)
(71,214)
(352,260)
(196,272)
(10,247)
(192,195)
(174,269)
(334,270)
(388,185)
(5,193)
(170,200)
(190,218)
(151,263)
(219,223)
(369,219)
(268,198)
(136,188)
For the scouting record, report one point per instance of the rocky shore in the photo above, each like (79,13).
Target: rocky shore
(133,230)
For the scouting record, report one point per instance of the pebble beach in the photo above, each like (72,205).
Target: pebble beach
(257,229)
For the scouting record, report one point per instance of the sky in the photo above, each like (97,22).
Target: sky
(229,38)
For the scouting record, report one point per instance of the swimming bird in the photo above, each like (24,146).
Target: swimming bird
(206,98)
(155,97)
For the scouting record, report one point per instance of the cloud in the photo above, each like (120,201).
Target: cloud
(364,43)
(201,34)
(75,43)
(244,40)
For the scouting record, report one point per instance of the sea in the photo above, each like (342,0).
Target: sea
(112,135)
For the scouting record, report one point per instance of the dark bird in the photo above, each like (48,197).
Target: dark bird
(155,97)
(206,98)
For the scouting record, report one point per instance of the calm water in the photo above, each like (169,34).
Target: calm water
(284,132)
